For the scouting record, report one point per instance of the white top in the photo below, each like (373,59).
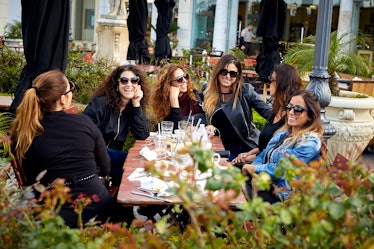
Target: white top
(247,35)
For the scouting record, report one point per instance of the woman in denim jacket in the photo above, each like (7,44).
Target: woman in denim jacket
(301,136)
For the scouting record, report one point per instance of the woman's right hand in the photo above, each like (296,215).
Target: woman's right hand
(173,96)
(244,157)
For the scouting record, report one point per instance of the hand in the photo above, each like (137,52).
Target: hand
(248,169)
(244,157)
(242,47)
(138,95)
(211,129)
(173,96)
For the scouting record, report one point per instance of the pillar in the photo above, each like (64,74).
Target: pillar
(220,25)
(319,77)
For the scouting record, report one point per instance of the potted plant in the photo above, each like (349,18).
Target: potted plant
(13,34)
(349,112)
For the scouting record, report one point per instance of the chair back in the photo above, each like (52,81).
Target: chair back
(18,173)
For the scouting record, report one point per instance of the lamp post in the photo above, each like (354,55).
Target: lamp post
(319,77)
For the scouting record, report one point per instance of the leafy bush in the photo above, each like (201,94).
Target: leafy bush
(11,64)
(327,209)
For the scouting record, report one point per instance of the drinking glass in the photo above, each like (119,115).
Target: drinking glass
(167,128)
(180,135)
(160,146)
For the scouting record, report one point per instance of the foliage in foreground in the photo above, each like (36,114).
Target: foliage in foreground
(328,209)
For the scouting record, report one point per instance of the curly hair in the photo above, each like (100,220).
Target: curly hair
(287,81)
(47,88)
(160,102)
(109,86)
(211,93)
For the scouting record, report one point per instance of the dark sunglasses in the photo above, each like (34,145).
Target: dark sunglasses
(179,79)
(224,72)
(134,80)
(296,109)
(72,87)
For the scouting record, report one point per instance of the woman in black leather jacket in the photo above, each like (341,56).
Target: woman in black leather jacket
(227,104)
(117,106)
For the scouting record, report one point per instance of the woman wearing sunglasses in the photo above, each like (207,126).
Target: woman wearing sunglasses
(301,136)
(228,104)
(283,82)
(119,105)
(174,97)
(69,146)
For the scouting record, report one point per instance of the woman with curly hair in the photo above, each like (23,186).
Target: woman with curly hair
(174,96)
(117,106)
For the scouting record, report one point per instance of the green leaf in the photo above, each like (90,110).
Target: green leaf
(286,216)
(336,210)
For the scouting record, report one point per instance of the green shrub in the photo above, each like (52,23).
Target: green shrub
(11,64)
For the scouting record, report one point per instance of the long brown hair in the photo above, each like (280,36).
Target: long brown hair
(109,86)
(160,101)
(211,93)
(288,81)
(314,123)
(47,88)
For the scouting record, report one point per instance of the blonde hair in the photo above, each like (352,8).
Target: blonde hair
(41,98)
(211,93)
(160,102)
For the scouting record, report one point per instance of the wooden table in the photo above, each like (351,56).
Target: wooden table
(134,160)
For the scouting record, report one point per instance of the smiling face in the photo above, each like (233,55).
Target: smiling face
(297,119)
(226,81)
(179,80)
(127,88)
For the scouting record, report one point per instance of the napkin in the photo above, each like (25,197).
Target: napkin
(156,185)
(148,154)
(138,174)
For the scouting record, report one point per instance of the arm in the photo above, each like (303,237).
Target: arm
(265,110)
(95,110)
(140,125)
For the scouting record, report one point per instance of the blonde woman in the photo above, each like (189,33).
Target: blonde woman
(228,104)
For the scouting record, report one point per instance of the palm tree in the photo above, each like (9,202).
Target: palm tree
(340,59)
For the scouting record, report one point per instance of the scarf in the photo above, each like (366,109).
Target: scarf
(186,104)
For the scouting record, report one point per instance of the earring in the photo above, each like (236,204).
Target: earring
(117,89)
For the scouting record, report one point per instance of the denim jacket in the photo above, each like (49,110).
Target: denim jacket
(307,151)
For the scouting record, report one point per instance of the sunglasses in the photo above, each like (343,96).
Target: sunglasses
(72,87)
(134,80)
(224,72)
(298,110)
(179,79)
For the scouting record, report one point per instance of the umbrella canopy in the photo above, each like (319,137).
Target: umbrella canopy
(45,31)
(137,24)
(271,28)
(165,13)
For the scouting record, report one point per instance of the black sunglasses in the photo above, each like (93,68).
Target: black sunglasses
(297,109)
(72,87)
(224,72)
(134,80)
(179,79)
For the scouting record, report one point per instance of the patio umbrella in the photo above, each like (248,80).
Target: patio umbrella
(165,13)
(137,24)
(271,28)
(45,31)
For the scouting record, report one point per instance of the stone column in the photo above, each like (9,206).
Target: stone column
(233,24)
(220,25)
(319,77)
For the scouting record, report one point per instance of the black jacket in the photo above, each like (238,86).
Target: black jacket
(115,126)
(241,117)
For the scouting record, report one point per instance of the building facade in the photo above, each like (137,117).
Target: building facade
(216,24)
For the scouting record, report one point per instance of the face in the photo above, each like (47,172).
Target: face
(273,84)
(297,115)
(127,84)
(227,77)
(180,80)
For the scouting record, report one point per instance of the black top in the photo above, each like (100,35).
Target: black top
(115,126)
(70,146)
(268,132)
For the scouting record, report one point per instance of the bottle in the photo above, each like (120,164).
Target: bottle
(202,134)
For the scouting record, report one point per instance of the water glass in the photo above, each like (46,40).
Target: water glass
(160,146)
(167,128)
(180,135)
(183,124)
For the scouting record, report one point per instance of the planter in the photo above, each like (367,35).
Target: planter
(353,119)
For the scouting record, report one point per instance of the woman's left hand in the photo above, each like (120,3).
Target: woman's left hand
(138,95)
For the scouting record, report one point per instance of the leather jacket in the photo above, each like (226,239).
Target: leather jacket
(241,117)
(115,125)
